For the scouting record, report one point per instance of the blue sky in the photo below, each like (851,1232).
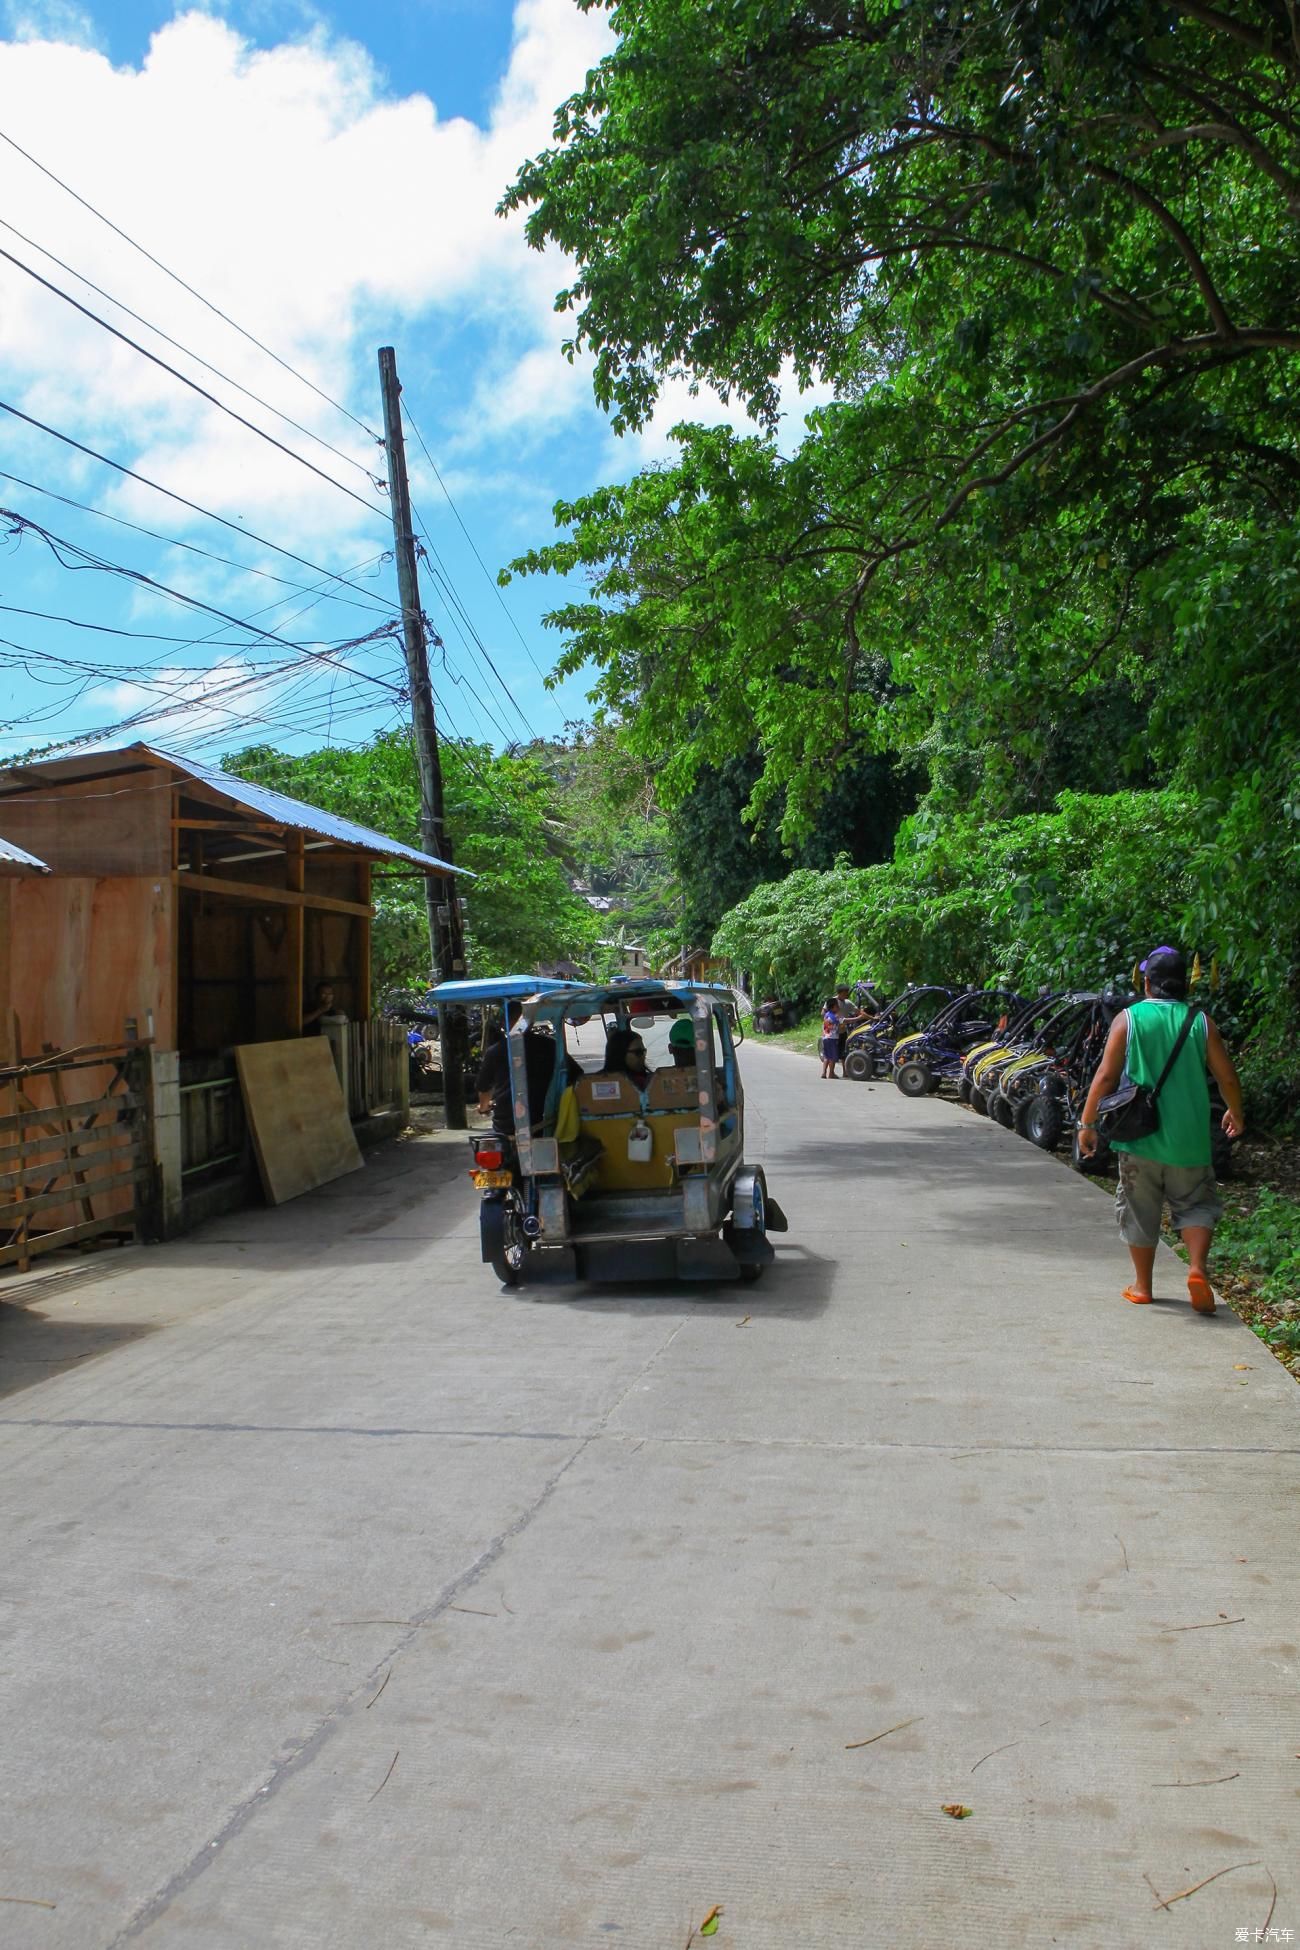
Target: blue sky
(327,178)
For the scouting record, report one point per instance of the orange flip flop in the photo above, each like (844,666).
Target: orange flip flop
(1138,1299)
(1200,1293)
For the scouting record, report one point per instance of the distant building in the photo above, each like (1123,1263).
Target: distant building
(694,965)
(634,959)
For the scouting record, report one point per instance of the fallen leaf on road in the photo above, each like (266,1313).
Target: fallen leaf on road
(745,1322)
(955,1809)
(1241,1365)
(709,1927)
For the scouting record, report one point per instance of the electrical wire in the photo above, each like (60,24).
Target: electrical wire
(193,384)
(177,279)
(308,432)
(140,636)
(491,579)
(227,561)
(90,561)
(461,616)
(248,533)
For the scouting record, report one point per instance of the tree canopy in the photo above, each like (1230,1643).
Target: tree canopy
(1045,255)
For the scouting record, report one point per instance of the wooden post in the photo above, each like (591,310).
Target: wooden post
(8,1054)
(361,946)
(445,937)
(294,935)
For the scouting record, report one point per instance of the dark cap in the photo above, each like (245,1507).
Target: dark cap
(1166,972)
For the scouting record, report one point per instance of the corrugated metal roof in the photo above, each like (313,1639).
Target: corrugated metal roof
(15,856)
(295,812)
(277,807)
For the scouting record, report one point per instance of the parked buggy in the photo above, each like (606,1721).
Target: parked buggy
(869,1048)
(934,1055)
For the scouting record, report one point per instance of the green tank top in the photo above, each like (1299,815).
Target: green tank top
(1184,1104)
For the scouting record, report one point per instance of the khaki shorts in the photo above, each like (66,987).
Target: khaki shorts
(1145,1186)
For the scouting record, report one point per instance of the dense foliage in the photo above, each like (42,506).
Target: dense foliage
(1047,537)
(1058,897)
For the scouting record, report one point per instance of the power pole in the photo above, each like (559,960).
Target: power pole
(446,941)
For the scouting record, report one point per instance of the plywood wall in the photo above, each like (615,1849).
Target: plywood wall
(87,954)
(107,826)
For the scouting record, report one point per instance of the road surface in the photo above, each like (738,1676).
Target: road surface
(346,1602)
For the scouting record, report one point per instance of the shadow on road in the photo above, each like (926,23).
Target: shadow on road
(33,1347)
(798,1288)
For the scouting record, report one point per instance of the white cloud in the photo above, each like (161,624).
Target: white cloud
(50,20)
(289,187)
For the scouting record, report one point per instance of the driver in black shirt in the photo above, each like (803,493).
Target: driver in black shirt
(493,1081)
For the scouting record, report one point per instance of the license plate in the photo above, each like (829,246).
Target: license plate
(489,1181)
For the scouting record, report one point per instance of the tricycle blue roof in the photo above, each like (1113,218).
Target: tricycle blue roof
(495,988)
(587,998)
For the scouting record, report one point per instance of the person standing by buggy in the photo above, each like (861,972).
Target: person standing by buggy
(1173,1164)
(830,1044)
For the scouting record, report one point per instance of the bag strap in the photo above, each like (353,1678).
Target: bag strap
(1193,1011)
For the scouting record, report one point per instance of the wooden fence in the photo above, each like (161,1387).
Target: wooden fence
(214,1135)
(75,1150)
(378,1056)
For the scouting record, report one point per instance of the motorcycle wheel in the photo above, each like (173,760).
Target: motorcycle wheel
(1041,1122)
(509,1248)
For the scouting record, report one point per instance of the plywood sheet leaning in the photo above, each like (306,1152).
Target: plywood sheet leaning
(297,1116)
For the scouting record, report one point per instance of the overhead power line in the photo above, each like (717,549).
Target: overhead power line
(491,579)
(308,433)
(369,600)
(193,384)
(138,636)
(90,561)
(131,474)
(177,279)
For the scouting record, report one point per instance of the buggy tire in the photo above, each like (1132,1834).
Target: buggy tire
(858,1065)
(1041,1122)
(1002,1113)
(914,1080)
(978,1102)
(964,1091)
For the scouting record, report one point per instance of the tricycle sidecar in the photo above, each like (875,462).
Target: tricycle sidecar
(607,1176)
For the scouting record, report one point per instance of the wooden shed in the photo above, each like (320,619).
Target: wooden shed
(188,909)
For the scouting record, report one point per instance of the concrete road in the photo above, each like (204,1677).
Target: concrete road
(347,1602)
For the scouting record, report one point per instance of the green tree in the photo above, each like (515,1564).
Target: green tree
(502,812)
(1047,536)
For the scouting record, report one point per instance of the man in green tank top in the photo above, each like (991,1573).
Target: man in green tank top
(1173,1165)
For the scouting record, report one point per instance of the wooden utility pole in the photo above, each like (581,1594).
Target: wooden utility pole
(446,943)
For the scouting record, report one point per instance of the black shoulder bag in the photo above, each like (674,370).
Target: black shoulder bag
(1132,1111)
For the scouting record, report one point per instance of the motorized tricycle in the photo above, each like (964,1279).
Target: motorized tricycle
(606,1176)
